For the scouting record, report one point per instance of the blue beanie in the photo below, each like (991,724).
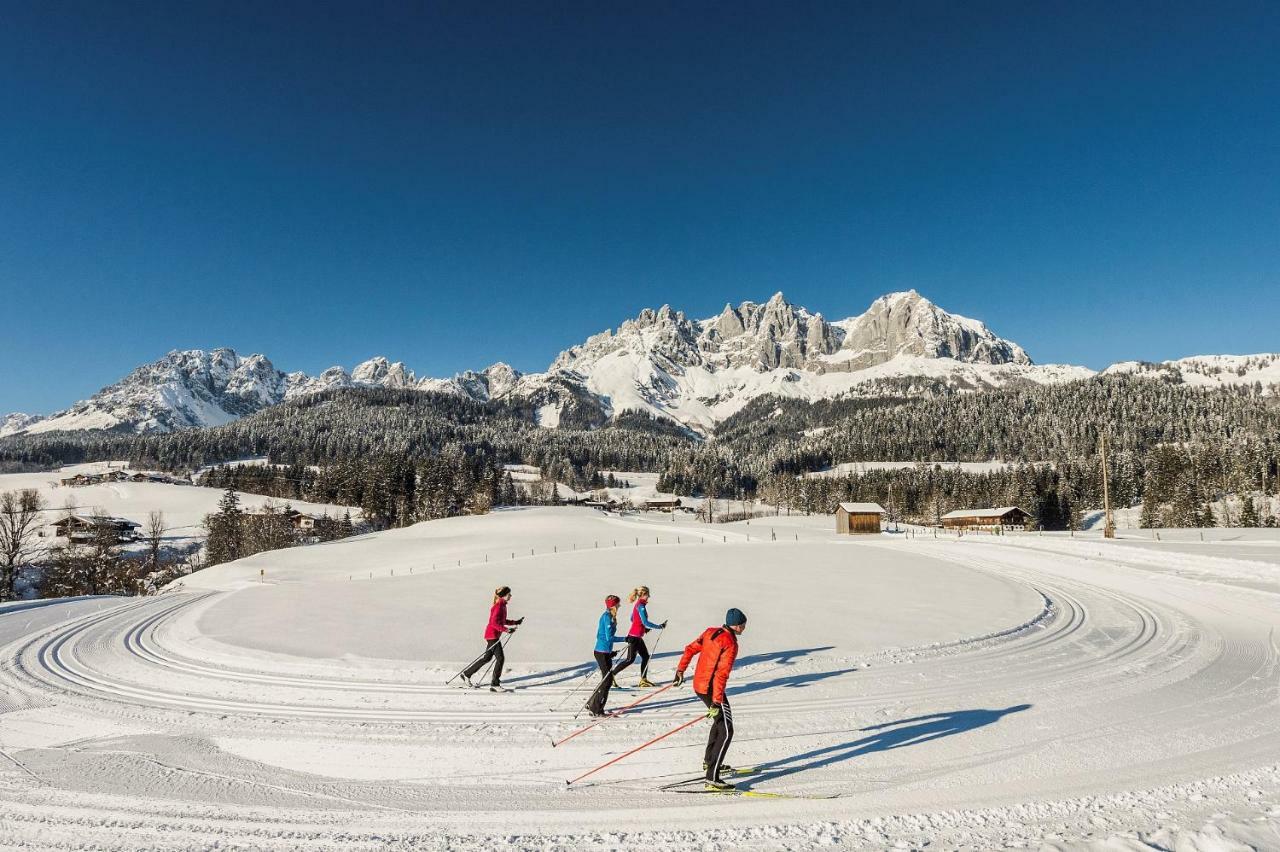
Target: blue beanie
(734,617)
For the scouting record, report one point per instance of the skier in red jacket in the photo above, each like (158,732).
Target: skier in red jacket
(716,648)
(498,625)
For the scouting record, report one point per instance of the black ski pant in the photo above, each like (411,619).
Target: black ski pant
(635,648)
(718,739)
(493,651)
(604,659)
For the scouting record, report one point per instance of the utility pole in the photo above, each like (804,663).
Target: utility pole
(1109,527)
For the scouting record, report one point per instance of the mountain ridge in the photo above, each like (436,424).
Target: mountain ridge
(695,372)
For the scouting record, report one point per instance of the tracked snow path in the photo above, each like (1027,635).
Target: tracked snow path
(1057,694)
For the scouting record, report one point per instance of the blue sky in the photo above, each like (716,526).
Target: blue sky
(451,185)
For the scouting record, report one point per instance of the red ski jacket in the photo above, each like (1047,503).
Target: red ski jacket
(717,648)
(497,621)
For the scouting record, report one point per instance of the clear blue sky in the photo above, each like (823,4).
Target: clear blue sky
(454,184)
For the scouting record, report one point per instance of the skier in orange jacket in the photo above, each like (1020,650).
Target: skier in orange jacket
(716,648)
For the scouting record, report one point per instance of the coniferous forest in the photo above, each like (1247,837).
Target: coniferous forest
(406,456)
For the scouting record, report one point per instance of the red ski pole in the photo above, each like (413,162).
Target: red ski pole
(614,713)
(637,748)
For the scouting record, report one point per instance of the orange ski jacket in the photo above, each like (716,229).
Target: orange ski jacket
(716,648)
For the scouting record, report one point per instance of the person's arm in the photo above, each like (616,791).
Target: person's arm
(689,650)
(644,619)
(720,677)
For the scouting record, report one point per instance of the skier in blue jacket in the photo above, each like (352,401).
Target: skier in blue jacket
(606,637)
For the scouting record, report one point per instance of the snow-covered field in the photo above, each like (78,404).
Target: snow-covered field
(184,506)
(1022,690)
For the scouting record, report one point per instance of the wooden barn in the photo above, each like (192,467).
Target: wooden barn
(854,518)
(1004,517)
(81,529)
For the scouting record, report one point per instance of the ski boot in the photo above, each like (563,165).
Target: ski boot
(724,767)
(497,688)
(719,785)
(645,683)
(467,680)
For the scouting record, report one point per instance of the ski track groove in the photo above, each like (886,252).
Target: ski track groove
(96,661)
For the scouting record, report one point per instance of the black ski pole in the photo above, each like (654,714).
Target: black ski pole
(485,671)
(467,666)
(575,690)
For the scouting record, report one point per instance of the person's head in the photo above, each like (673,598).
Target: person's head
(735,620)
(611,602)
(639,593)
(502,593)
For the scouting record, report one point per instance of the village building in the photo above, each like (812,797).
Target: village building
(1004,517)
(81,529)
(662,504)
(855,518)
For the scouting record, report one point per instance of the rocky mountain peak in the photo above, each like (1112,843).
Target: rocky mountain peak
(383,373)
(907,323)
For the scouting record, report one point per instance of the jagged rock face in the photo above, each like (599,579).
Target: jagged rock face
(766,337)
(909,324)
(696,372)
(494,382)
(379,372)
(195,388)
(12,424)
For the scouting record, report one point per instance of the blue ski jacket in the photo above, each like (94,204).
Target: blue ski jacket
(606,633)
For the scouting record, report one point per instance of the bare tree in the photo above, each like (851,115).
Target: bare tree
(19,525)
(153,535)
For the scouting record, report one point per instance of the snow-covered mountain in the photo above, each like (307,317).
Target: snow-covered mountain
(194,388)
(696,372)
(1208,370)
(12,424)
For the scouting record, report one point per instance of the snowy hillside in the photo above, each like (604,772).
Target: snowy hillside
(1208,370)
(695,372)
(194,389)
(12,424)
(184,506)
(890,692)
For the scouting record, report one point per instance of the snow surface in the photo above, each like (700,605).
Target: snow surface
(184,506)
(954,692)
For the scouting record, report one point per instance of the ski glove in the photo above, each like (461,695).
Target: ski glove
(663,625)
(678,679)
(520,620)
(713,712)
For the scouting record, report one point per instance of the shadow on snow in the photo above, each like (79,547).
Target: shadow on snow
(884,737)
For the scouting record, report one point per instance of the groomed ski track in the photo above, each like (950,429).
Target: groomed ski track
(1136,702)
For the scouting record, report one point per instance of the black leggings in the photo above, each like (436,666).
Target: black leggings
(604,660)
(492,652)
(635,648)
(718,738)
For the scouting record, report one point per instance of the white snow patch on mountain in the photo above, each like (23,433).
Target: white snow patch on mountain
(1209,370)
(662,363)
